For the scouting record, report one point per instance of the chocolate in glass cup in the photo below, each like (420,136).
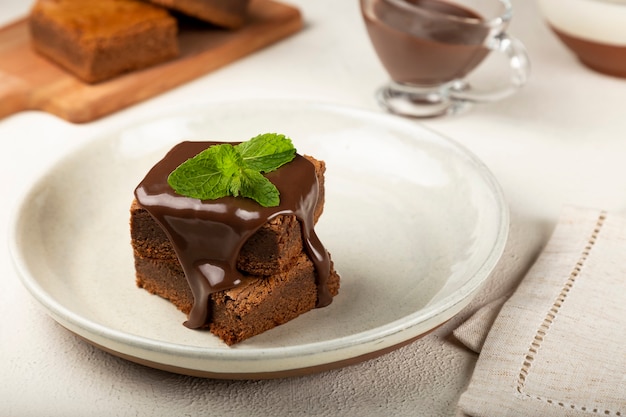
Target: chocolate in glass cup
(429,47)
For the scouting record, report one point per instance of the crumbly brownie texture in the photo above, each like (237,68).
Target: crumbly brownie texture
(100,39)
(280,281)
(268,251)
(229,14)
(258,304)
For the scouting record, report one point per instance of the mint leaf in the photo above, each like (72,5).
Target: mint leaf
(223,170)
(267,152)
(208,175)
(255,186)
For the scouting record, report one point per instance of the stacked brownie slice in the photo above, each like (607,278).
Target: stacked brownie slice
(279,283)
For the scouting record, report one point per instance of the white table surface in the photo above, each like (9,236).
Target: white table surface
(561,140)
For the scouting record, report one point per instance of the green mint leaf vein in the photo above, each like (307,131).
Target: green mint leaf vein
(267,152)
(226,170)
(255,186)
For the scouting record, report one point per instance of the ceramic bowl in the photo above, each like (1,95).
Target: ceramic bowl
(595,30)
(414,222)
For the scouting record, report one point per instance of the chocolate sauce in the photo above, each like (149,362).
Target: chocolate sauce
(208,235)
(437,43)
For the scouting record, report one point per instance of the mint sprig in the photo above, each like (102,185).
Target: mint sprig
(226,170)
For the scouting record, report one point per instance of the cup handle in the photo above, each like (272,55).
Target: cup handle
(519,66)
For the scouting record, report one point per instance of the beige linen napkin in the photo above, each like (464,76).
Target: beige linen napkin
(558,345)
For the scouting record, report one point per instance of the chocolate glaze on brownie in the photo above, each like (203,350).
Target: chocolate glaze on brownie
(221,227)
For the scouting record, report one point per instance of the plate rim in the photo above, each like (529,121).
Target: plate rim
(79,324)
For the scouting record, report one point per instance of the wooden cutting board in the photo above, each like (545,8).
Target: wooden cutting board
(31,82)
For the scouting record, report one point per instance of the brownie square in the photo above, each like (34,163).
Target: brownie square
(100,39)
(279,281)
(230,14)
(255,306)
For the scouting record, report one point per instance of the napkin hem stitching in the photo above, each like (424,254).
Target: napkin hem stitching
(545,326)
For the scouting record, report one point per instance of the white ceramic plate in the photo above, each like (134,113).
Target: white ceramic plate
(413,221)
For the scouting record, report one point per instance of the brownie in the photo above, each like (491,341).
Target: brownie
(100,39)
(279,282)
(229,14)
(266,252)
(255,306)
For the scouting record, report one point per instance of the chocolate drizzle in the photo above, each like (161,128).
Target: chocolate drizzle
(208,235)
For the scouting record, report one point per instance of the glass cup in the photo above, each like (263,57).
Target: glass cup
(429,47)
